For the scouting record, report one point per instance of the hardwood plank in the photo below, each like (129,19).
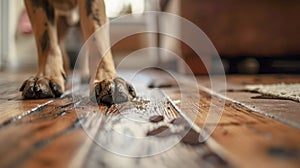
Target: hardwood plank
(60,152)
(243,137)
(58,133)
(178,156)
(16,109)
(31,132)
(63,150)
(55,134)
(285,111)
(132,122)
(247,138)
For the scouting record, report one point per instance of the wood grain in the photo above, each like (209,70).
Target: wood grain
(247,138)
(130,148)
(29,133)
(73,132)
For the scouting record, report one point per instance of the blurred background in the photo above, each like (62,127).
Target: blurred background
(252,37)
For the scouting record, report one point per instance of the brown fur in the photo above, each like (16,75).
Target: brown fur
(50,78)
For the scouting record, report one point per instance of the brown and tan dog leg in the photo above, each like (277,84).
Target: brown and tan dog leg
(107,86)
(50,78)
(62,30)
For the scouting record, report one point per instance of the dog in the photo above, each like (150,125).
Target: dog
(49,82)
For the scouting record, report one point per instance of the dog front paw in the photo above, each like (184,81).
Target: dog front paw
(41,87)
(113,91)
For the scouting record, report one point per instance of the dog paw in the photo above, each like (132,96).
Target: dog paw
(41,87)
(114,91)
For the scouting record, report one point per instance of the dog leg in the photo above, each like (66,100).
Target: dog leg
(107,86)
(50,78)
(62,30)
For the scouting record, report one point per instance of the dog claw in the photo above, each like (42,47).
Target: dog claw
(56,89)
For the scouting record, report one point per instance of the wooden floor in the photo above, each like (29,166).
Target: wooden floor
(158,129)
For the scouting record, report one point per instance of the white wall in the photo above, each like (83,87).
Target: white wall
(1,22)
(10,11)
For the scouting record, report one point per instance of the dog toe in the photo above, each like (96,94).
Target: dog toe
(38,88)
